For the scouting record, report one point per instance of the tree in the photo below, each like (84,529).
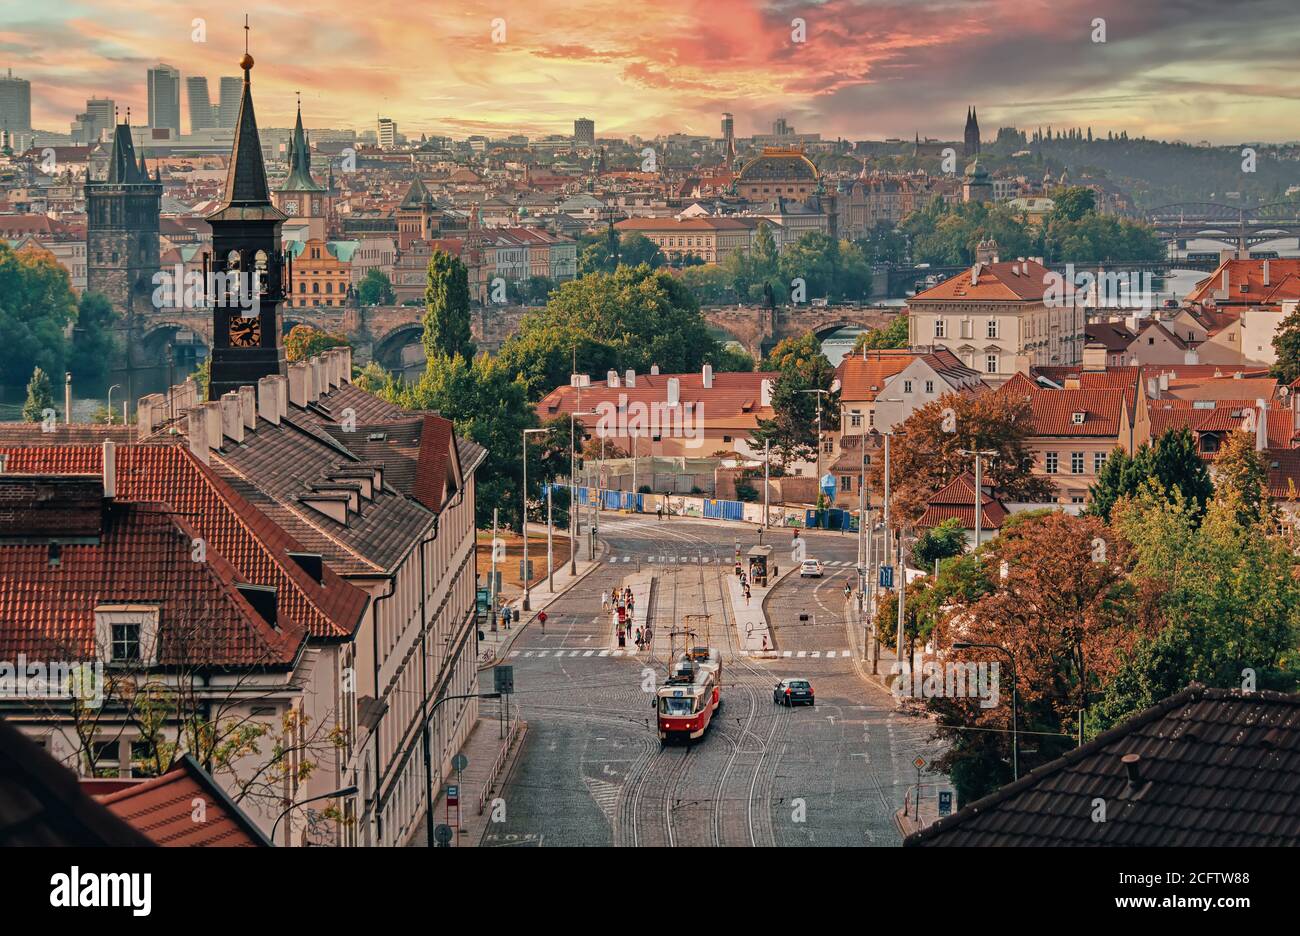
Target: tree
(791,433)
(92,338)
(629,319)
(1173,463)
(304,342)
(1286,342)
(375,288)
(732,358)
(202,374)
(893,335)
(446,303)
(374,379)
(1071,204)
(635,249)
(946,540)
(40,397)
(37,305)
(1238,470)
(924,458)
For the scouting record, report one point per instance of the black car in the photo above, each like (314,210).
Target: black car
(790,691)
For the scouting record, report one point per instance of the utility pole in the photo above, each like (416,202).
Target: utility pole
(767,444)
(492,586)
(979,454)
(550,539)
(573,481)
(820,394)
(523,525)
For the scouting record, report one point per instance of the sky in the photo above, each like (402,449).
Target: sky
(1189,70)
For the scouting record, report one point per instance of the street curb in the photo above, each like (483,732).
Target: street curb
(763,607)
(504,777)
(601,550)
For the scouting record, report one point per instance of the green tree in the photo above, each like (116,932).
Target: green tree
(791,432)
(1286,342)
(375,288)
(92,338)
(37,305)
(946,540)
(893,335)
(1238,470)
(635,249)
(446,303)
(1172,462)
(306,341)
(1071,204)
(40,396)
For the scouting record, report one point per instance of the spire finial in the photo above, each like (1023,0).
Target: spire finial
(246,63)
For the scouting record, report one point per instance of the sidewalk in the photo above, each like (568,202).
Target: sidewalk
(494,646)
(642,585)
(491,758)
(752,628)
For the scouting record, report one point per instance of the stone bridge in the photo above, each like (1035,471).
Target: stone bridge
(377,333)
(759,328)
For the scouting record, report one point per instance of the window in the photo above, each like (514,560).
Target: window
(907,386)
(1050,461)
(1077,418)
(846,482)
(829,446)
(726,438)
(993,328)
(939,330)
(855,419)
(1098,462)
(1077,499)
(965,328)
(991,364)
(126,643)
(929,386)
(1076,463)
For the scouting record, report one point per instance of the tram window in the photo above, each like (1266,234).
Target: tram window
(677,705)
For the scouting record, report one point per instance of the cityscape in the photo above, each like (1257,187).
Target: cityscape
(835,427)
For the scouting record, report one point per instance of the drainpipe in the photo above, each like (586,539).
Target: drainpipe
(374,633)
(424,693)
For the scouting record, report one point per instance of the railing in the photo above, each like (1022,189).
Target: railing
(516,730)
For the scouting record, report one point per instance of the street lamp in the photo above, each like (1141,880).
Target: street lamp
(820,394)
(1015,726)
(345,791)
(110,404)
(524,521)
(980,455)
(573,492)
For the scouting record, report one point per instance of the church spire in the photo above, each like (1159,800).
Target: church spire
(246,185)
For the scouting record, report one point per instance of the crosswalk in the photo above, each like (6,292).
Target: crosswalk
(570,653)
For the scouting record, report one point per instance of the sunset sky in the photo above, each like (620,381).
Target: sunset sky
(1173,69)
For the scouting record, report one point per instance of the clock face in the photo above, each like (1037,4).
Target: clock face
(291,207)
(245,332)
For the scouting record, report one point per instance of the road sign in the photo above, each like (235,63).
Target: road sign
(442,835)
(918,763)
(453,795)
(945,802)
(459,762)
(886,577)
(503,679)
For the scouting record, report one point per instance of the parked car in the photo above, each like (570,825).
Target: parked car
(790,691)
(811,568)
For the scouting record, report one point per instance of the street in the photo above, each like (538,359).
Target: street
(593,772)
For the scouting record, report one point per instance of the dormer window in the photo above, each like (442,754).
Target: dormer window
(1077,418)
(125,646)
(127,635)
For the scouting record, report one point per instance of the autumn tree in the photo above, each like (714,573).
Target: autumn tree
(1239,469)
(306,341)
(924,456)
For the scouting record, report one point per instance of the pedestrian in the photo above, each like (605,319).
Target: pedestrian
(639,640)
(604,601)
(620,638)
(541,619)
(746,596)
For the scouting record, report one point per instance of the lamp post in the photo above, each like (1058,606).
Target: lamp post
(110,403)
(980,455)
(820,394)
(573,492)
(1015,719)
(524,520)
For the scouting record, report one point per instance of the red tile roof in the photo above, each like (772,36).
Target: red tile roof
(862,376)
(1054,410)
(1251,274)
(957,500)
(253,544)
(163,808)
(1017,281)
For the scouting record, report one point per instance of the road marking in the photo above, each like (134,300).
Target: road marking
(514,653)
(603,653)
(589,653)
(788,653)
(814,654)
(802,654)
(542,653)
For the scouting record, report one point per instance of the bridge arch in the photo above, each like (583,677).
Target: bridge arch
(190,345)
(389,351)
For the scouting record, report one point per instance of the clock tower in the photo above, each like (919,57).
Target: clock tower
(301,197)
(252,272)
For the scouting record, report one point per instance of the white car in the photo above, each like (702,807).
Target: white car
(811,568)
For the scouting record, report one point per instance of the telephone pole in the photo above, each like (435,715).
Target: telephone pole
(980,455)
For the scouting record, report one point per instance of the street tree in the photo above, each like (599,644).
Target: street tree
(446,304)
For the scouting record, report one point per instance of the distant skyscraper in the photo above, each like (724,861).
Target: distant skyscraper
(781,128)
(387,133)
(165,98)
(15,103)
(728,138)
(101,114)
(231,90)
(584,132)
(202,116)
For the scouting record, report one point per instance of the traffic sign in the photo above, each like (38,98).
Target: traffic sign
(442,835)
(503,679)
(453,795)
(460,762)
(886,577)
(945,802)
(918,763)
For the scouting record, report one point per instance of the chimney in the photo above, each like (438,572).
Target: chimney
(708,376)
(232,423)
(335,360)
(298,378)
(148,414)
(765,392)
(315,381)
(281,395)
(1226,279)
(975,275)
(1164,382)
(268,400)
(654,370)
(1266,273)
(345,357)
(248,406)
(611,379)
(110,469)
(1261,425)
(1094,357)
(1153,388)
(674,391)
(1191,356)
(213,424)
(1133,767)
(629,379)
(197,430)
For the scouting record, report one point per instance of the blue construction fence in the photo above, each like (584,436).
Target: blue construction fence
(715,509)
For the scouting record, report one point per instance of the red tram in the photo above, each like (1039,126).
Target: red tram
(687,702)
